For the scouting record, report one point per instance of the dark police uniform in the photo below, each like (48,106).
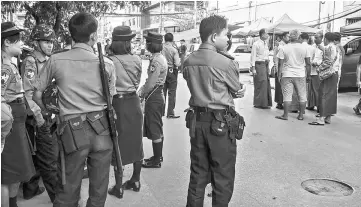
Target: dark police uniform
(16,160)
(127,106)
(84,128)
(45,160)
(152,93)
(170,85)
(212,79)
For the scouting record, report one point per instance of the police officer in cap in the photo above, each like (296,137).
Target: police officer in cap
(16,160)
(170,85)
(212,78)
(83,128)
(152,94)
(39,121)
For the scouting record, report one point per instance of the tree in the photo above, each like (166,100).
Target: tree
(185,21)
(58,13)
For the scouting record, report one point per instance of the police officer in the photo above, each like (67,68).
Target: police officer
(16,160)
(213,82)
(83,125)
(39,122)
(126,104)
(152,93)
(170,85)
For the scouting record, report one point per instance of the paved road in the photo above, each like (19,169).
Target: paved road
(273,159)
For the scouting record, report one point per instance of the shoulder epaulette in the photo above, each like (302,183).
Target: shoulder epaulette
(60,51)
(226,55)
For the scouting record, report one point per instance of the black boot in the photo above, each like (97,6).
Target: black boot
(134,182)
(155,162)
(152,157)
(13,202)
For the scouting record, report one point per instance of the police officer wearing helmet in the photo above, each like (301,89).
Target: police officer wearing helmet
(212,78)
(16,160)
(170,85)
(39,121)
(83,128)
(152,94)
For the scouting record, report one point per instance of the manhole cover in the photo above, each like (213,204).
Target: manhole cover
(326,187)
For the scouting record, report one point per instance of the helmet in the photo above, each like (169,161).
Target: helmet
(42,32)
(50,98)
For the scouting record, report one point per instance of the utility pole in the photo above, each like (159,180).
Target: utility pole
(255,12)
(319,13)
(249,11)
(195,14)
(161,17)
(333,17)
(217,7)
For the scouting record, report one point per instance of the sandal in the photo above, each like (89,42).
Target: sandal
(316,123)
(300,118)
(281,117)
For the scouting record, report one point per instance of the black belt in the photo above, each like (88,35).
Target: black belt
(18,100)
(206,109)
(260,62)
(125,95)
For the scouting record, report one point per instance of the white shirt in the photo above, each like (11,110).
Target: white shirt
(338,63)
(316,58)
(260,51)
(294,55)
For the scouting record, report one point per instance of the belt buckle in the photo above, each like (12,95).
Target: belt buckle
(170,70)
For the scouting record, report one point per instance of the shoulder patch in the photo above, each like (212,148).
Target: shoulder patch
(5,77)
(153,66)
(30,73)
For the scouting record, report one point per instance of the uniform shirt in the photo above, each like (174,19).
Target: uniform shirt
(260,52)
(294,55)
(128,69)
(157,72)
(316,58)
(11,82)
(211,77)
(31,67)
(171,55)
(77,76)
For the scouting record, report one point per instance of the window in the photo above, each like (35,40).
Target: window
(134,21)
(130,23)
(355,45)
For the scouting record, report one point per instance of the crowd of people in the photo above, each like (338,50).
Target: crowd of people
(307,74)
(54,121)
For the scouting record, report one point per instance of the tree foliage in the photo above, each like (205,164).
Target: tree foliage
(186,21)
(58,13)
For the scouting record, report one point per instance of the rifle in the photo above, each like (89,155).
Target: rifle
(112,127)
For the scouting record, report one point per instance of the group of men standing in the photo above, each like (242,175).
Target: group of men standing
(296,66)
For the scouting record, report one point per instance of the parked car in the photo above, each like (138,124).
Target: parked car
(241,54)
(352,46)
(191,48)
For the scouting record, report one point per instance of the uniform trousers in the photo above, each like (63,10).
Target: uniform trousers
(45,160)
(170,86)
(98,155)
(214,155)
